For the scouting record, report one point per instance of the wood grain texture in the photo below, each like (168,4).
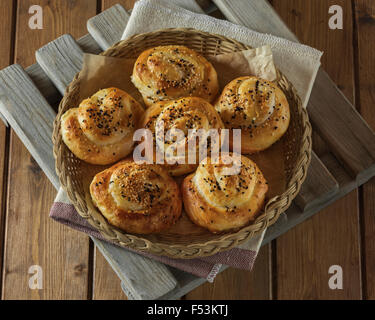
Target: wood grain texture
(319,186)
(6,51)
(305,253)
(234,284)
(343,129)
(31,237)
(107,285)
(22,103)
(3,120)
(60,59)
(143,278)
(44,85)
(253,14)
(365,32)
(7,39)
(108,27)
(127,4)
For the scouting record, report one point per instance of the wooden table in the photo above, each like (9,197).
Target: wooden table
(295,266)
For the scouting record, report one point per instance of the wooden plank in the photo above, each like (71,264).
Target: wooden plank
(319,186)
(66,250)
(89,45)
(127,4)
(253,14)
(108,26)
(31,237)
(234,284)
(61,59)
(4,150)
(7,39)
(343,129)
(28,105)
(365,31)
(45,85)
(306,252)
(107,285)
(2,118)
(143,278)
(6,51)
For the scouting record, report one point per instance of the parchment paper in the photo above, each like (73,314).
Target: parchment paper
(100,72)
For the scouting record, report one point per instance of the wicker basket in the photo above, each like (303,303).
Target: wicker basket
(74,173)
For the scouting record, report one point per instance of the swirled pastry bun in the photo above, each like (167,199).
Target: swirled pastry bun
(218,201)
(259,108)
(137,198)
(172,72)
(186,115)
(100,131)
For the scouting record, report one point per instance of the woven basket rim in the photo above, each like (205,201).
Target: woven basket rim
(273,209)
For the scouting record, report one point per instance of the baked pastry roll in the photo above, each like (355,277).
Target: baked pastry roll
(100,131)
(137,198)
(218,201)
(172,72)
(187,115)
(259,108)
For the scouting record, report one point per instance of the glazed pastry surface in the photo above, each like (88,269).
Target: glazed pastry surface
(259,108)
(100,131)
(218,200)
(172,72)
(137,198)
(186,115)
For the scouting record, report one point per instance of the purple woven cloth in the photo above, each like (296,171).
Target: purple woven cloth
(208,267)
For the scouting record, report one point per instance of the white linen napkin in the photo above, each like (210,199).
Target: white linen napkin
(298,62)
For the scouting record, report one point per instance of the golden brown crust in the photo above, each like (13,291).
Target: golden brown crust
(220,202)
(173,72)
(100,131)
(184,114)
(256,106)
(137,198)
